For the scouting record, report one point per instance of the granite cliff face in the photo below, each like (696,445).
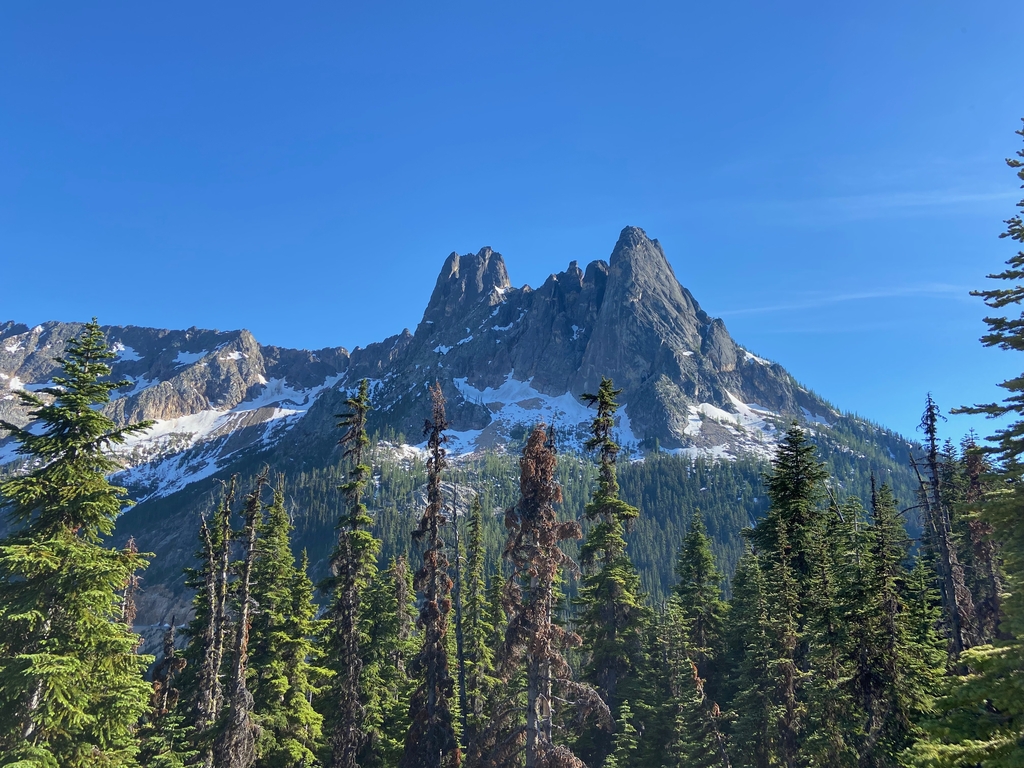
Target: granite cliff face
(505,356)
(508,355)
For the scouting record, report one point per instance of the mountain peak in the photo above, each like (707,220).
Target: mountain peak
(464,280)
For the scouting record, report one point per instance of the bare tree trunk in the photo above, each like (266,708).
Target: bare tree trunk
(236,744)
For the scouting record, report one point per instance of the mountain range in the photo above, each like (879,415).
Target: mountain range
(505,357)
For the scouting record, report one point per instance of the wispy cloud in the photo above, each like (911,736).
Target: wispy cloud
(927,290)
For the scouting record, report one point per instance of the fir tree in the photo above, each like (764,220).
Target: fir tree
(71,687)
(957,602)
(626,743)
(389,647)
(431,742)
(756,711)
(832,717)
(235,745)
(611,604)
(700,598)
(283,670)
(479,628)
(351,562)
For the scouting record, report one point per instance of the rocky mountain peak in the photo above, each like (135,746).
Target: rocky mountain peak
(465,280)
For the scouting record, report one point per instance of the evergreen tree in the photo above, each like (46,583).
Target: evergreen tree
(164,736)
(351,563)
(983,720)
(479,628)
(431,742)
(389,648)
(957,602)
(700,741)
(756,735)
(71,687)
(832,717)
(796,488)
(611,604)
(626,743)
(283,670)
(700,598)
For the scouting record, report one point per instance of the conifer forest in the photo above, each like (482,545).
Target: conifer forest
(873,622)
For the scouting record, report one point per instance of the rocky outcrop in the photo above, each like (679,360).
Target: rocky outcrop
(503,355)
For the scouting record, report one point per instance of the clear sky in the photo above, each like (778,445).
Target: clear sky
(826,177)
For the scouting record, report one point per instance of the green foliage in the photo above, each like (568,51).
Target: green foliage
(284,675)
(71,687)
(389,646)
(352,565)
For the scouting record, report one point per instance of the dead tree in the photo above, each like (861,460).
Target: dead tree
(431,741)
(957,603)
(235,746)
(533,641)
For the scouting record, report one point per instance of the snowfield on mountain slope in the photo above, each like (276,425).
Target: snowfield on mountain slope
(176,452)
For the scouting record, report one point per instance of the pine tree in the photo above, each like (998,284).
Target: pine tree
(283,669)
(626,743)
(699,590)
(796,488)
(612,611)
(833,720)
(757,713)
(389,648)
(700,741)
(479,628)
(431,742)
(351,562)
(71,687)
(957,601)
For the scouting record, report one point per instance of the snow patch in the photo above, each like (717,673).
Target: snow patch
(186,358)
(441,349)
(124,354)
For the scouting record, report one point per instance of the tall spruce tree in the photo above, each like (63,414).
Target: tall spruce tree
(957,601)
(479,628)
(833,720)
(71,687)
(388,621)
(612,610)
(756,735)
(351,564)
(431,742)
(284,671)
(699,592)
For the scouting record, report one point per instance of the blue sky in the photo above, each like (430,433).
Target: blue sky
(826,177)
